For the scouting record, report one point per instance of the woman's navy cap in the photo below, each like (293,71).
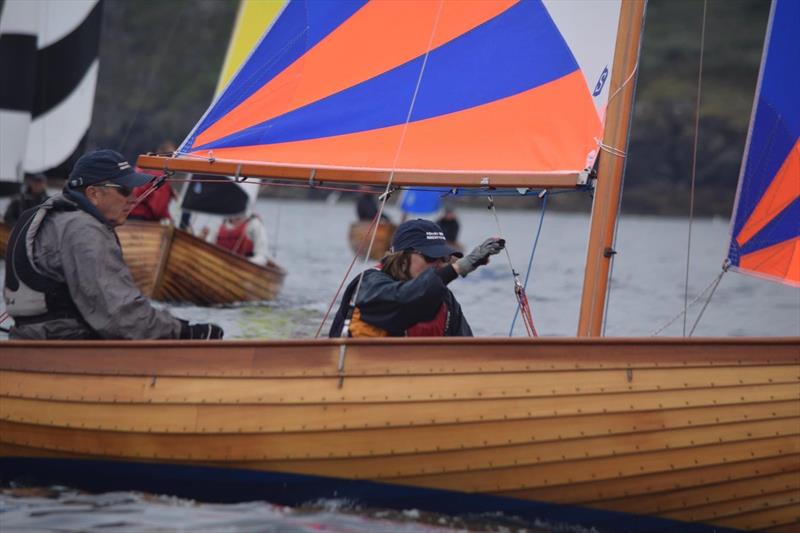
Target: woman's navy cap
(423,236)
(105,165)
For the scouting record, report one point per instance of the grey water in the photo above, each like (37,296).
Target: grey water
(309,239)
(648,287)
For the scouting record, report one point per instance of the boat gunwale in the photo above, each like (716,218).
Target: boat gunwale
(446,341)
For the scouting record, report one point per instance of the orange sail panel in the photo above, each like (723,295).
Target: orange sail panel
(428,87)
(765,228)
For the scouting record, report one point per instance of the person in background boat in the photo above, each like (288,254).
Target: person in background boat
(65,276)
(242,235)
(406,294)
(367,206)
(449,224)
(33,193)
(154,206)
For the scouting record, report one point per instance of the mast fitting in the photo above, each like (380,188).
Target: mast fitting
(387,194)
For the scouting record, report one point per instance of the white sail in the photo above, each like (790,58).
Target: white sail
(50,50)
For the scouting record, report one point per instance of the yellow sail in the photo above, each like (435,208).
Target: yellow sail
(252,20)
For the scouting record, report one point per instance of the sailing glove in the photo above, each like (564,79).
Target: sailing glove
(200,331)
(480,255)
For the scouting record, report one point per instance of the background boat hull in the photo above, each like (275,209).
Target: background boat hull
(701,431)
(360,234)
(168,264)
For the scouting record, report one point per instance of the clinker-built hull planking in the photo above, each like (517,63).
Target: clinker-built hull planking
(5,233)
(699,430)
(360,235)
(172,265)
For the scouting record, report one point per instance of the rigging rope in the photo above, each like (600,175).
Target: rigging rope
(694,163)
(346,274)
(700,295)
(544,195)
(387,192)
(519,290)
(708,300)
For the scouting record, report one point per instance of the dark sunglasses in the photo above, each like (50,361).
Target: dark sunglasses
(430,260)
(124,190)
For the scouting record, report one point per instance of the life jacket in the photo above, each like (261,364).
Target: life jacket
(435,327)
(30,295)
(235,239)
(155,206)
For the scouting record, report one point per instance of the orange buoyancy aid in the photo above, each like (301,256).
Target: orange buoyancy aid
(434,327)
(235,239)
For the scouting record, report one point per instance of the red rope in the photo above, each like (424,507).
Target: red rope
(525,309)
(347,272)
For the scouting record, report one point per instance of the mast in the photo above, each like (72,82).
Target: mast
(610,170)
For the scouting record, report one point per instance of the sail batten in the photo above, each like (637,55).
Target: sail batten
(765,226)
(433,93)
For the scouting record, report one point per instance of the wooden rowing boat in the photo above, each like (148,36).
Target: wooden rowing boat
(5,233)
(172,265)
(169,264)
(145,248)
(360,235)
(698,430)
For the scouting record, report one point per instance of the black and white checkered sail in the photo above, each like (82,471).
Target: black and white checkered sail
(49,63)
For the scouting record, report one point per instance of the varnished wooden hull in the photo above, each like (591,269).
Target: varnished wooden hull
(172,265)
(359,236)
(5,233)
(145,248)
(695,430)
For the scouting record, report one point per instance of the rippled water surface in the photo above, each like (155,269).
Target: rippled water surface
(310,240)
(647,290)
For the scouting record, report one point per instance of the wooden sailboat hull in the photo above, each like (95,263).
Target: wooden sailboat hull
(172,265)
(5,233)
(360,234)
(703,430)
(145,248)
(168,264)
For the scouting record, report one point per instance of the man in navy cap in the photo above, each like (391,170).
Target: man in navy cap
(407,294)
(65,276)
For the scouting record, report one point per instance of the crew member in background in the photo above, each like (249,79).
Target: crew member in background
(407,294)
(154,206)
(367,206)
(33,193)
(449,224)
(243,235)
(65,276)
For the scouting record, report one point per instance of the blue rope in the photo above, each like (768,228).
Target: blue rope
(530,260)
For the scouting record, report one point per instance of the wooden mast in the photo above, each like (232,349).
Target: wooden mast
(610,170)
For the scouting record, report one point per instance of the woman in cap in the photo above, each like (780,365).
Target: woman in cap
(406,294)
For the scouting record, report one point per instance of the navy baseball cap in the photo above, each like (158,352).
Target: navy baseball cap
(105,165)
(423,236)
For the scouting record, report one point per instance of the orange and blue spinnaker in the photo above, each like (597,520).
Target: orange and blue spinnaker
(439,86)
(765,230)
